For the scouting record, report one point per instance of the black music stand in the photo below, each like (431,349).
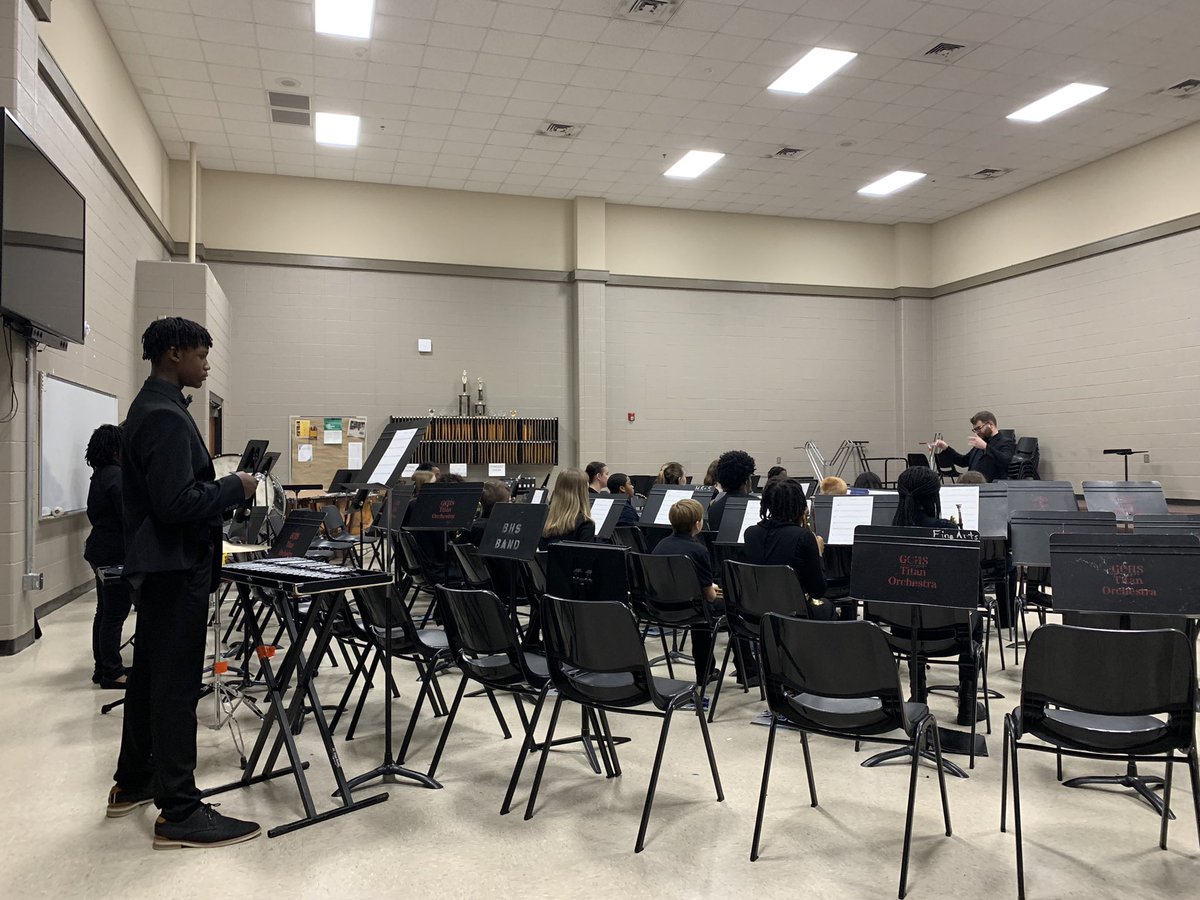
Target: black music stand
(580,571)
(656,499)
(1124,453)
(612,505)
(740,513)
(1041,496)
(1128,575)
(883,513)
(382,470)
(1126,498)
(916,567)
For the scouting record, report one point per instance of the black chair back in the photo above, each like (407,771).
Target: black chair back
(373,607)
(595,653)
(667,591)
(752,591)
(335,525)
(804,661)
(411,561)
(1113,673)
(486,642)
(630,536)
(475,573)
(917,460)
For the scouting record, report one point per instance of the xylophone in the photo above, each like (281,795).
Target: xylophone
(300,577)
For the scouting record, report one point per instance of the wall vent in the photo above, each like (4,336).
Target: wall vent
(789,153)
(290,117)
(654,12)
(287,101)
(947,52)
(560,129)
(289,109)
(988,174)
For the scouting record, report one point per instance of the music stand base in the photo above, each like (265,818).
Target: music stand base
(328,814)
(1141,784)
(254,779)
(389,772)
(958,742)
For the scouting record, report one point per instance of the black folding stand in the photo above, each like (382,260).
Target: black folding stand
(1125,453)
(917,567)
(287,716)
(1168,567)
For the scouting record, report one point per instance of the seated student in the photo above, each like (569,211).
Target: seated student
(687,518)
(972,477)
(105,546)
(781,539)
(710,478)
(569,517)
(493,492)
(735,468)
(921,507)
(776,472)
(671,473)
(868,480)
(833,486)
(452,478)
(420,478)
(597,475)
(429,467)
(619,484)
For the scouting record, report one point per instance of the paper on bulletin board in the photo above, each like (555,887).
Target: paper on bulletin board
(354,455)
(496,470)
(358,429)
(304,453)
(303,429)
(333,430)
(333,437)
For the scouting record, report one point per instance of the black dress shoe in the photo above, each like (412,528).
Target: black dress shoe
(122,802)
(203,828)
(964,715)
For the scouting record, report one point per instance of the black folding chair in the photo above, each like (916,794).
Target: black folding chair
(667,594)
(597,659)
(474,571)
(838,679)
(630,536)
(1092,693)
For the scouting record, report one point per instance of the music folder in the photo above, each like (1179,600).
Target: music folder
(513,530)
(445,506)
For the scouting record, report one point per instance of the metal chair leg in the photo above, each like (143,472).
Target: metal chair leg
(537,779)
(918,742)
(762,791)
(437,754)
(808,769)
(526,746)
(1166,801)
(708,749)
(1004,776)
(612,745)
(1194,771)
(662,744)
(499,716)
(937,750)
(712,706)
(1017,822)
(416,714)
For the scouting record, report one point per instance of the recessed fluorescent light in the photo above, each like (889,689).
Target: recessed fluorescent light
(1060,101)
(345,18)
(692,164)
(813,68)
(889,184)
(337,130)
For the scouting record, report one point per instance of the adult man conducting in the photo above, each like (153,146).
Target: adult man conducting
(990,453)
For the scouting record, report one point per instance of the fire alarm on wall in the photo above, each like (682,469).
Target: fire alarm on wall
(631,416)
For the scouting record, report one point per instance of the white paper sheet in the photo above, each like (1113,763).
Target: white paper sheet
(391,457)
(966,496)
(333,437)
(304,453)
(409,470)
(496,470)
(458,469)
(847,513)
(752,517)
(354,459)
(601,506)
(670,498)
(538,496)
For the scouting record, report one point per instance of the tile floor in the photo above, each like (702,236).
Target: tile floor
(59,753)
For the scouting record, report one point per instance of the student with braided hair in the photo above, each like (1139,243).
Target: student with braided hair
(781,538)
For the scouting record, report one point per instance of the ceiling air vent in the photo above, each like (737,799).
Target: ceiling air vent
(947,52)
(289,109)
(988,174)
(789,153)
(655,12)
(560,130)
(1189,88)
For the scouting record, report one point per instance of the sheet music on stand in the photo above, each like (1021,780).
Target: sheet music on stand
(671,496)
(965,497)
(606,512)
(392,450)
(740,514)
(847,514)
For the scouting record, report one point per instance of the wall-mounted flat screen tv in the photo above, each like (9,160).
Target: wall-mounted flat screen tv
(41,259)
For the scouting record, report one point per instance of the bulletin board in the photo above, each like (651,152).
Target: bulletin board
(320,445)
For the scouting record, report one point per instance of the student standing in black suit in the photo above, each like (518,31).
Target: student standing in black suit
(172,513)
(991,451)
(105,546)
(735,468)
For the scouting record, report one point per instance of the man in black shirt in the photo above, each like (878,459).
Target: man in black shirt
(172,514)
(735,468)
(990,453)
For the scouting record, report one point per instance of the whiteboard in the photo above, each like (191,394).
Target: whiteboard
(69,414)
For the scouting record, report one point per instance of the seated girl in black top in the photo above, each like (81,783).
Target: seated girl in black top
(782,539)
(569,517)
(493,492)
(687,518)
(105,546)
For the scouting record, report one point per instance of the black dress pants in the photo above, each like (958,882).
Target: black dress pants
(112,608)
(158,742)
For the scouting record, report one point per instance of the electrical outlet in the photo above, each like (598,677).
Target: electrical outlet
(778,460)
(1146,458)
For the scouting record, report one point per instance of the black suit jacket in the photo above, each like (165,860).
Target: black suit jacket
(991,462)
(172,506)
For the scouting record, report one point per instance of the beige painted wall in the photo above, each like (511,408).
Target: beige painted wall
(79,43)
(339,218)
(1143,186)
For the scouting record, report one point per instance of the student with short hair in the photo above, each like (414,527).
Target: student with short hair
(569,517)
(776,472)
(619,484)
(972,477)
(735,468)
(687,519)
(833,486)
(869,481)
(597,476)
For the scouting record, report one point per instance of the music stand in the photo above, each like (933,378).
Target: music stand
(659,501)
(513,531)
(917,567)
(1128,575)
(1126,498)
(606,512)
(579,571)
(341,478)
(740,513)
(1168,524)
(1041,496)
(882,512)
(1125,453)
(252,457)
